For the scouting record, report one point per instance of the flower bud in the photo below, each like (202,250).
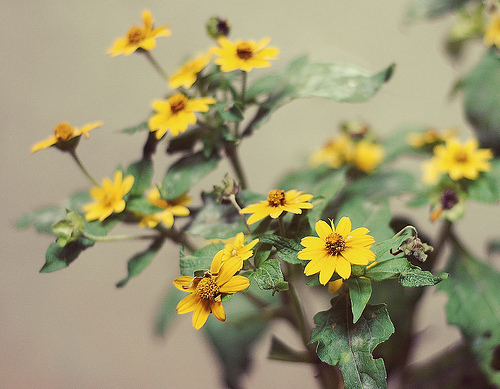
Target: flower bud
(69,229)
(217,27)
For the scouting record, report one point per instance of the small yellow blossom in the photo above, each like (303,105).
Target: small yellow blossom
(175,207)
(278,201)
(334,153)
(109,197)
(205,292)
(430,137)
(236,250)
(492,32)
(335,249)
(186,75)
(139,37)
(457,160)
(244,55)
(176,113)
(64,132)
(367,155)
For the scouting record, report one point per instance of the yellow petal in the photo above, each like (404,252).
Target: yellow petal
(188,303)
(185,283)
(43,144)
(343,268)
(201,313)
(344,226)
(328,269)
(235,284)
(335,285)
(323,229)
(218,310)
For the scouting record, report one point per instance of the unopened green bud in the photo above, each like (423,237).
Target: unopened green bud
(217,27)
(69,229)
(229,188)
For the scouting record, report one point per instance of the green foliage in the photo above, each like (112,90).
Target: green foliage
(142,171)
(431,9)
(487,187)
(186,172)
(199,260)
(287,249)
(360,291)
(140,127)
(140,261)
(350,346)
(57,257)
(305,179)
(142,206)
(230,112)
(269,276)
(474,307)
(69,229)
(280,351)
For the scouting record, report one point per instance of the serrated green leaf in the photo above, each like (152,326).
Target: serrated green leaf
(360,291)
(140,261)
(268,275)
(431,9)
(140,127)
(474,307)
(287,249)
(350,346)
(415,277)
(57,258)
(186,172)
(199,260)
(142,171)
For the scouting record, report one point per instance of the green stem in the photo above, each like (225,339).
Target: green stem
(232,197)
(281,224)
(114,238)
(82,168)
(243,89)
(155,64)
(232,155)
(444,234)
(178,237)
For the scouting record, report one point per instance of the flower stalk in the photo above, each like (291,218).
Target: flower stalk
(82,168)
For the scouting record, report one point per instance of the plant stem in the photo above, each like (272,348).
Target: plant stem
(444,234)
(232,198)
(232,155)
(82,168)
(155,64)
(178,237)
(114,238)
(281,224)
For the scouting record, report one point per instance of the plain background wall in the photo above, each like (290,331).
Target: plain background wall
(73,328)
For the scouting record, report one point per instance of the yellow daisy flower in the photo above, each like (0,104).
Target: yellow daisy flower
(236,250)
(335,249)
(430,137)
(176,113)
(176,207)
(458,161)
(187,74)
(139,37)
(492,32)
(278,201)
(334,153)
(64,132)
(205,292)
(109,197)
(244,55)
(367,155)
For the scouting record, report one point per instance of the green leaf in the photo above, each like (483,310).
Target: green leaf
(142,206)
(336,81)
(287,249)
(140,261)
(167,313)
(474,307)
(305,179)
(481,99)
(42,219)
(140,127)
(269,276)
(486,188)
(350,346)
(229,112)
(431,9)
(360,291)
(415,277)
(98,228)
(263,86)
(199,260)
(186,172)
(280,351)
(262,254)
(142,171)
(185,141)
(57,258)
(383,248)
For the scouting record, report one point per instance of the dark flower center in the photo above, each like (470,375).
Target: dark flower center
(276,198)
(135,35)
(244,51)
(461,156)
(448,199)
(334,243)
(63,131)
(177,103)
(207,288)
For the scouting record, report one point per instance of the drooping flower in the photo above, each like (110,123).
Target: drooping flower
(492,32)
(335,249)
(143,37)
(334,153)
(430,137)
(176,113)
(186,75)
(109,197)
(244,55)
(278,201)
(457,160)
(175,207)
(206,292)
(448,204)
(236,250)
(64,132)
(367,155)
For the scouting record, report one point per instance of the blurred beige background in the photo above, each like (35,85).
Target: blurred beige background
(73,328)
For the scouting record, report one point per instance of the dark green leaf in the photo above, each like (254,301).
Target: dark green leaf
(382,249)
(140,127)
(166,313)
(142,171)
(473,305)
(360,291)
(388,269)
(287,249)
(280,351)
(350,346)
(229,112)
(199,260)
(268,275)
(262,254)
(140,261)
(57,258)
(431,9)
(186,172)
(415,277)
(185,141)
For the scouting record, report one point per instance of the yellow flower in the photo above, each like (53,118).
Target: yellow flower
(139,37)
(186,75)
(236,250)
(430,137)
(277,202)
(176,113)
(458,161)
(176,207)
(492,32)
(336,249)
(109,197)
(205,292)
(367,155)
(64,132)
(244,55)
(334,153)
